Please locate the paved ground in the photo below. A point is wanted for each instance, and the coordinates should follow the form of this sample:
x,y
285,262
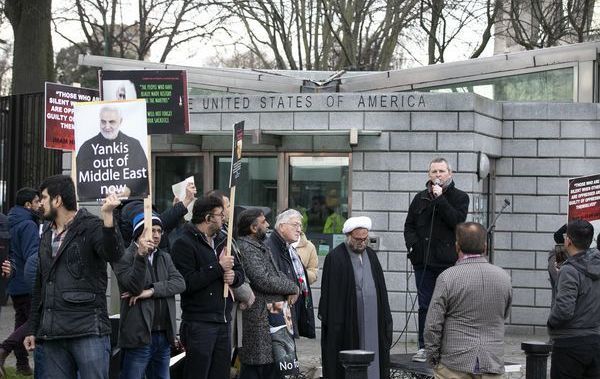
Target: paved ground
x,y
309,351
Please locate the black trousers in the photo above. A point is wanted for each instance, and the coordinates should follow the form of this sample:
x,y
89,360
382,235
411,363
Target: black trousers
x,y
268,371
581,361
208,349
14,342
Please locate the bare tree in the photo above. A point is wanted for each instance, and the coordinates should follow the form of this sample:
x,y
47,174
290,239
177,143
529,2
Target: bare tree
x,y
323,34
537,24
160,24
443,22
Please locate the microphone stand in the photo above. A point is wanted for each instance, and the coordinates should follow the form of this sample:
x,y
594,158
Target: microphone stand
x,y
490,232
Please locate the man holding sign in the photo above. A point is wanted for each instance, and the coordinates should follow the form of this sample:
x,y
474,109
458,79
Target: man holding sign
x,y
200,256
111,161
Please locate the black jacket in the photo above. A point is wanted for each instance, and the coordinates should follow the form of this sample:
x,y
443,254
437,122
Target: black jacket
x,y
134,276
303,314
447,211
69,296
199,265
338,312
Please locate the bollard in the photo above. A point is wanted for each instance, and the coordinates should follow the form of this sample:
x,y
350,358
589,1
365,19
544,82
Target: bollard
x,y
356,363
536,359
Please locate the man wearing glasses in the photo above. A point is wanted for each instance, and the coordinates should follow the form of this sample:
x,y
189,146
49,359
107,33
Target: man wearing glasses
x,y
288,227
354,308
574,321
199,256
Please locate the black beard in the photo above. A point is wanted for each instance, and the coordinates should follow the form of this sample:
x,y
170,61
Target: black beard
x,y
260,235
51,216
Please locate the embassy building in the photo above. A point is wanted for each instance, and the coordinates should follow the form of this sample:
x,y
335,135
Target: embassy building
x,y
339,144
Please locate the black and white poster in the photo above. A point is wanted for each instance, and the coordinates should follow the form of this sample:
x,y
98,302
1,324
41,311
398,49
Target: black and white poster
x,y
111,149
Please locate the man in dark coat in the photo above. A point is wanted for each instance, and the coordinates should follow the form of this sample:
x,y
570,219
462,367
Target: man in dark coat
x,y
24,243
199,255
288,226
68,307
354,308
117,158
148,282
269,285
429,233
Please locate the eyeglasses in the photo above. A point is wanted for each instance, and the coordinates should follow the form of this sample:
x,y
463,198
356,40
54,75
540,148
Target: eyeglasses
x,y
222,214
295,225
360,239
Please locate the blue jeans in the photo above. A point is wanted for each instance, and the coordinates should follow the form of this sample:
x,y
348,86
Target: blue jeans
x,y
38,361
151,360
88,355
425,280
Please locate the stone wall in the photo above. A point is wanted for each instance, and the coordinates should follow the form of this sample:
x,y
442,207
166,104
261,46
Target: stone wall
x,y
536,148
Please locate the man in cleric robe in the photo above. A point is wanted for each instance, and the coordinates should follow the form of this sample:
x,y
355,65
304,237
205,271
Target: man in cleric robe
x,y
111,161
354,308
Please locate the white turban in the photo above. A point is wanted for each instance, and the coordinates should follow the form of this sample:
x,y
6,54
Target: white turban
x,y
355,223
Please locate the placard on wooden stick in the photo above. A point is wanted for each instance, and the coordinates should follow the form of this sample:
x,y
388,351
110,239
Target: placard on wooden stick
x,y
234,175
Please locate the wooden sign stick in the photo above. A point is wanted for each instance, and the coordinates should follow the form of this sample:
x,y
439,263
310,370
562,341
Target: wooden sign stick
x,y
229,232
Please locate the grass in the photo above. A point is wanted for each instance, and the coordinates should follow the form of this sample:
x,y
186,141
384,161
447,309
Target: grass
x,y
11,373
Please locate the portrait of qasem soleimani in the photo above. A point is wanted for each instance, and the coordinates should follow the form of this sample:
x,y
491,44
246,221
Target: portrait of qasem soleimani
x,y
111,161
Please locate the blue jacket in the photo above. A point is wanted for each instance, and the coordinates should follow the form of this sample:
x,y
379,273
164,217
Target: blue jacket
x,y
24,244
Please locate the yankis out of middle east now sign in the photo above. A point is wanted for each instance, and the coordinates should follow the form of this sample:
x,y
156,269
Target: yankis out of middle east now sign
x,y
165,92
584,200
111,149
59,100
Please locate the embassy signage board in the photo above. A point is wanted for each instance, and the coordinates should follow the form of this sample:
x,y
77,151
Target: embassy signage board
x,y
165,92
59,99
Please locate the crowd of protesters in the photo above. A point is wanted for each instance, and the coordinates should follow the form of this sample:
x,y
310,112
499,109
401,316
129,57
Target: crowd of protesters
x,y
243,306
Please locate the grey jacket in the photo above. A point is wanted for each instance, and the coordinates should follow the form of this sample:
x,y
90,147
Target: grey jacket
x,y
465,321
268,284
133,275
576,309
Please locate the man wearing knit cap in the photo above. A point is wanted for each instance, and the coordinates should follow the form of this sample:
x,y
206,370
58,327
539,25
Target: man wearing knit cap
x,y
354,308
148,283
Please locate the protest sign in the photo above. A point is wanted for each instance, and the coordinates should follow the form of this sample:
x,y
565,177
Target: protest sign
x,y
234,175
584,200
111,147
59,99
165,92
236,154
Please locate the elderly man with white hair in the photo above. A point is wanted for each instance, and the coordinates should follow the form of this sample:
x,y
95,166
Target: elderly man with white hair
x,y
281,243
354,308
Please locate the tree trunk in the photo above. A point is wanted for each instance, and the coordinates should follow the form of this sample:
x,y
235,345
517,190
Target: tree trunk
x,y
32,55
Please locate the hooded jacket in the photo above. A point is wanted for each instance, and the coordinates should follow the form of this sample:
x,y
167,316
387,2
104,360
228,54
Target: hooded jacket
x,y
576,309
24,244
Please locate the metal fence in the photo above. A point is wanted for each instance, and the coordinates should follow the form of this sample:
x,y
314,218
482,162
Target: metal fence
x,y
23,160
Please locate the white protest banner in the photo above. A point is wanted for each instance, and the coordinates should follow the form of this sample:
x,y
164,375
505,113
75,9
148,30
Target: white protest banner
x,y
111,149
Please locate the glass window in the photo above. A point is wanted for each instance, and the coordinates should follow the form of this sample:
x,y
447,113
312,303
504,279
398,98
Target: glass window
x,y
318,188
174,169
257,185
551,85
